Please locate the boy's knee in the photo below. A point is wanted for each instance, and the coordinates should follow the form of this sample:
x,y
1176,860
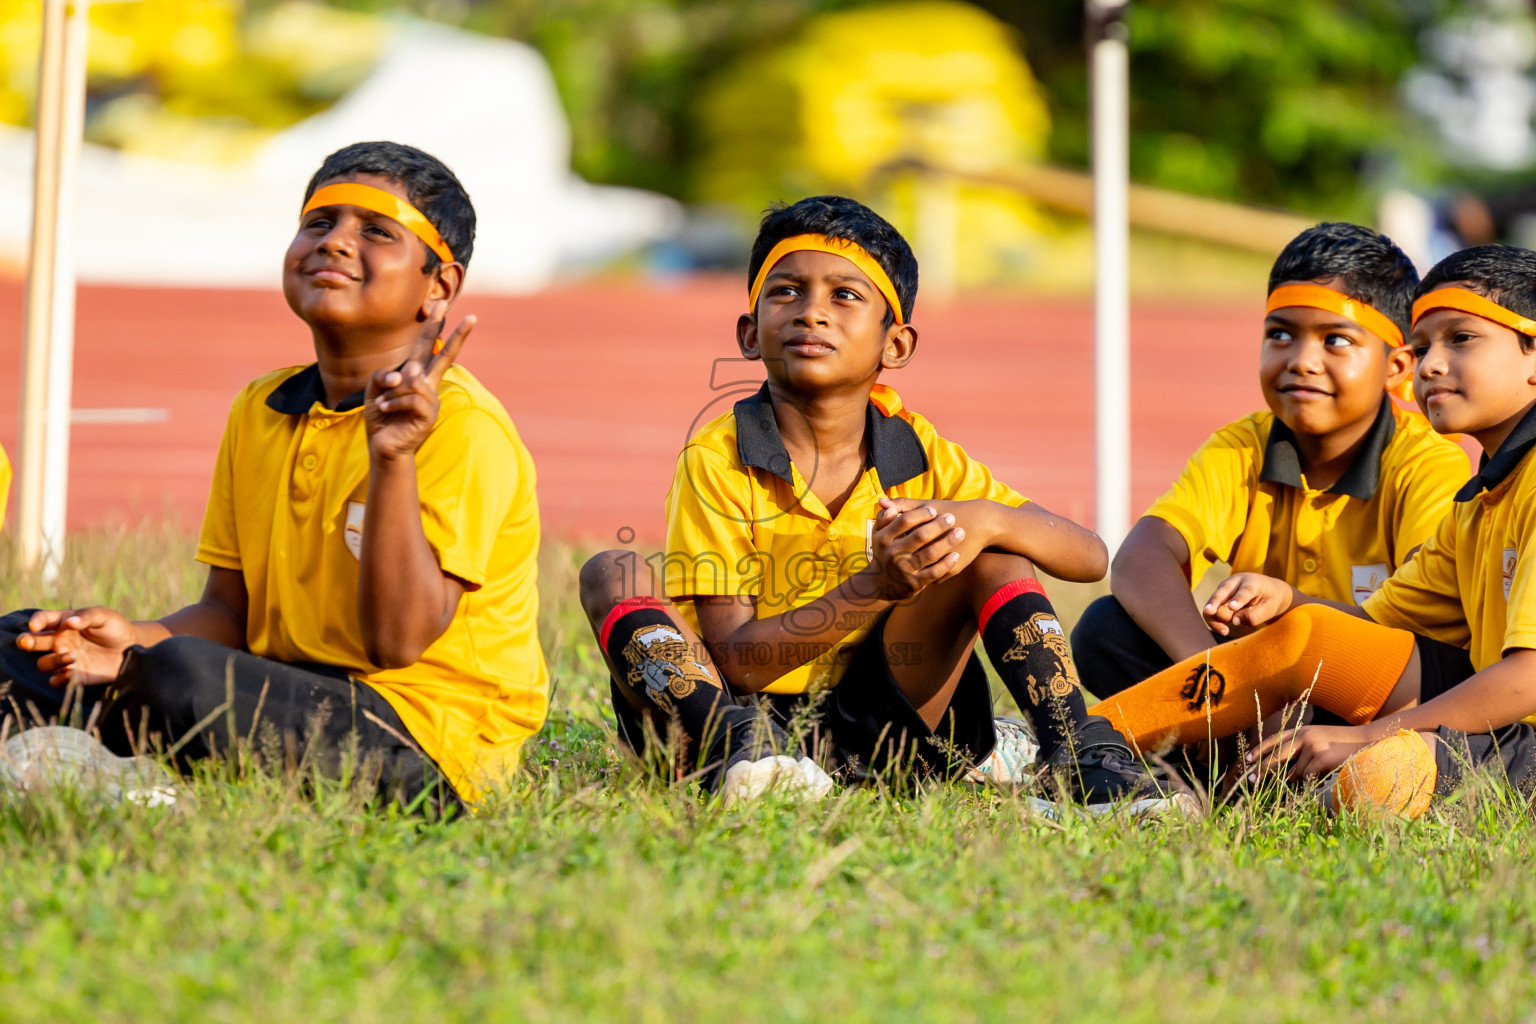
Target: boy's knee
x,y
601,581
1301,624
608,578
1000,567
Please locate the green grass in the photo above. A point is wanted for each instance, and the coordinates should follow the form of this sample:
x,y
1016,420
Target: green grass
x,y
592,892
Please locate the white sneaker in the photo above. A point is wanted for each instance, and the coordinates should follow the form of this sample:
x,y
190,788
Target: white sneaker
x,y
58,756
1174,805
1011,757
747,780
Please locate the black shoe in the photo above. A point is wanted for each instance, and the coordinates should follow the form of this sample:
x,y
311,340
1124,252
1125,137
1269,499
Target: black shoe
x,y
1101,775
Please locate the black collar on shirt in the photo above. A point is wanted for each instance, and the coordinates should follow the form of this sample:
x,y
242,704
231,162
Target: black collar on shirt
x,y
299,393
894,448
1492,471
1282,460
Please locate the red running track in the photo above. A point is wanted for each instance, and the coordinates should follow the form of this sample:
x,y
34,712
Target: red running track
x,y
605,379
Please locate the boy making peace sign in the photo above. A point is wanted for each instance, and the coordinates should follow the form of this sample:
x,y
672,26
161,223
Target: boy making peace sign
x,y
371,534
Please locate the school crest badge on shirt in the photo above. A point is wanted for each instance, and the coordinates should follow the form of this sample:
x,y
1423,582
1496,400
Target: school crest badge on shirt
x,y
1365,579
353,534
1509,570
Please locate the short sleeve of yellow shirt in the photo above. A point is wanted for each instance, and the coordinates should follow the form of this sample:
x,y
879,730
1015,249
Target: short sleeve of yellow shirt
x,y
743,521
1474,583
710,524
1243,500
5,484
287,510
1424,595
1208,504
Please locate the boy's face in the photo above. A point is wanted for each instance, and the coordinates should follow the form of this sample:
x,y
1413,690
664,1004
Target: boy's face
x,y
353,269
1472,375
820,325
1321,372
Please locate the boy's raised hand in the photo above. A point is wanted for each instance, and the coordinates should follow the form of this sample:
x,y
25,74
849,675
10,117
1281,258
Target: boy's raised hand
x,y
84,646
1247,600
913,548
400,406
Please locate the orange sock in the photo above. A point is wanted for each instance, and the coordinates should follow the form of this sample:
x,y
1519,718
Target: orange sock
x,y
1349,664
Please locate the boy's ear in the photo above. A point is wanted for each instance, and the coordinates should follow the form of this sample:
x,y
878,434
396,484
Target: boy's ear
x,y
1400,365
900,347
447,282
746,337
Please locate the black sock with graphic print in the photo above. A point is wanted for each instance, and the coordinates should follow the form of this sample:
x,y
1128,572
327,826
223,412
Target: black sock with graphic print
x,y
1028,646
643,642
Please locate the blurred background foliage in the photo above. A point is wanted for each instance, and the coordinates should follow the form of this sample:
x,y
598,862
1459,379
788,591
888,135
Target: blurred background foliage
x,y
730,104
1277,102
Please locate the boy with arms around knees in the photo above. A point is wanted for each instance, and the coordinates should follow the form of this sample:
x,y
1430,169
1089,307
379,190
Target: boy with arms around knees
x,y
1331,490
372,528
1415,722
839,558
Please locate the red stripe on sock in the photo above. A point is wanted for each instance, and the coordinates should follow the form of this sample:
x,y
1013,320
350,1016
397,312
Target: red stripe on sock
x,y
1009,591
623,608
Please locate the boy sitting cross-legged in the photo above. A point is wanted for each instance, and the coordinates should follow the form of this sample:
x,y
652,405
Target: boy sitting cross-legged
x,y
1414,722
371,533
840,559
1331,490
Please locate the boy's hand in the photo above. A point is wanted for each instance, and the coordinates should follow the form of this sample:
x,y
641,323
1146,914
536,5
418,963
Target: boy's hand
x,y
84,646
400,406
1247,600
1310,749
972,518
913,548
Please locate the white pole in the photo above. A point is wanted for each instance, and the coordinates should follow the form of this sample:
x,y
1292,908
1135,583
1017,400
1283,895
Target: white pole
x,y
50,318
1109,59
61,344
40,268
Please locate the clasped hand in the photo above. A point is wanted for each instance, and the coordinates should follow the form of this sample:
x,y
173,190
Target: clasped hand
x,y
917,543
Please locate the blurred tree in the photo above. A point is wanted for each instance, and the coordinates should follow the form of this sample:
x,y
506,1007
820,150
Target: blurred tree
x,y
1278,102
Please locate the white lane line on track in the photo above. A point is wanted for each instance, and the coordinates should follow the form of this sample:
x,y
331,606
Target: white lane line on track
x,y
118,416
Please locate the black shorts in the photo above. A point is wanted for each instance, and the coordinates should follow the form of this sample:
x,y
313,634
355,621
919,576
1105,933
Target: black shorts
x,y
1441,667
865,725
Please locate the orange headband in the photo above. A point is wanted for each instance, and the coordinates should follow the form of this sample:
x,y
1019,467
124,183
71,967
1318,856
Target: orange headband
x,y
853,252
1471,302
1316,296
392,206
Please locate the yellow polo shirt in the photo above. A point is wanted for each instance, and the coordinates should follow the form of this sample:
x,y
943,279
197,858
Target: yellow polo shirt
x,y
5,484
742,520
1473,584
1243,500
286,510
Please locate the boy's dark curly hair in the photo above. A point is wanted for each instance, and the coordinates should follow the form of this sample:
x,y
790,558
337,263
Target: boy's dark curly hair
x,y
1373,269
1505,274
842,218
432,187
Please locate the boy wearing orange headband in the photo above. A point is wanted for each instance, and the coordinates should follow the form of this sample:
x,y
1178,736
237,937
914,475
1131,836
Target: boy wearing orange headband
x,y
371,533
840,559
1331,490
1414,727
